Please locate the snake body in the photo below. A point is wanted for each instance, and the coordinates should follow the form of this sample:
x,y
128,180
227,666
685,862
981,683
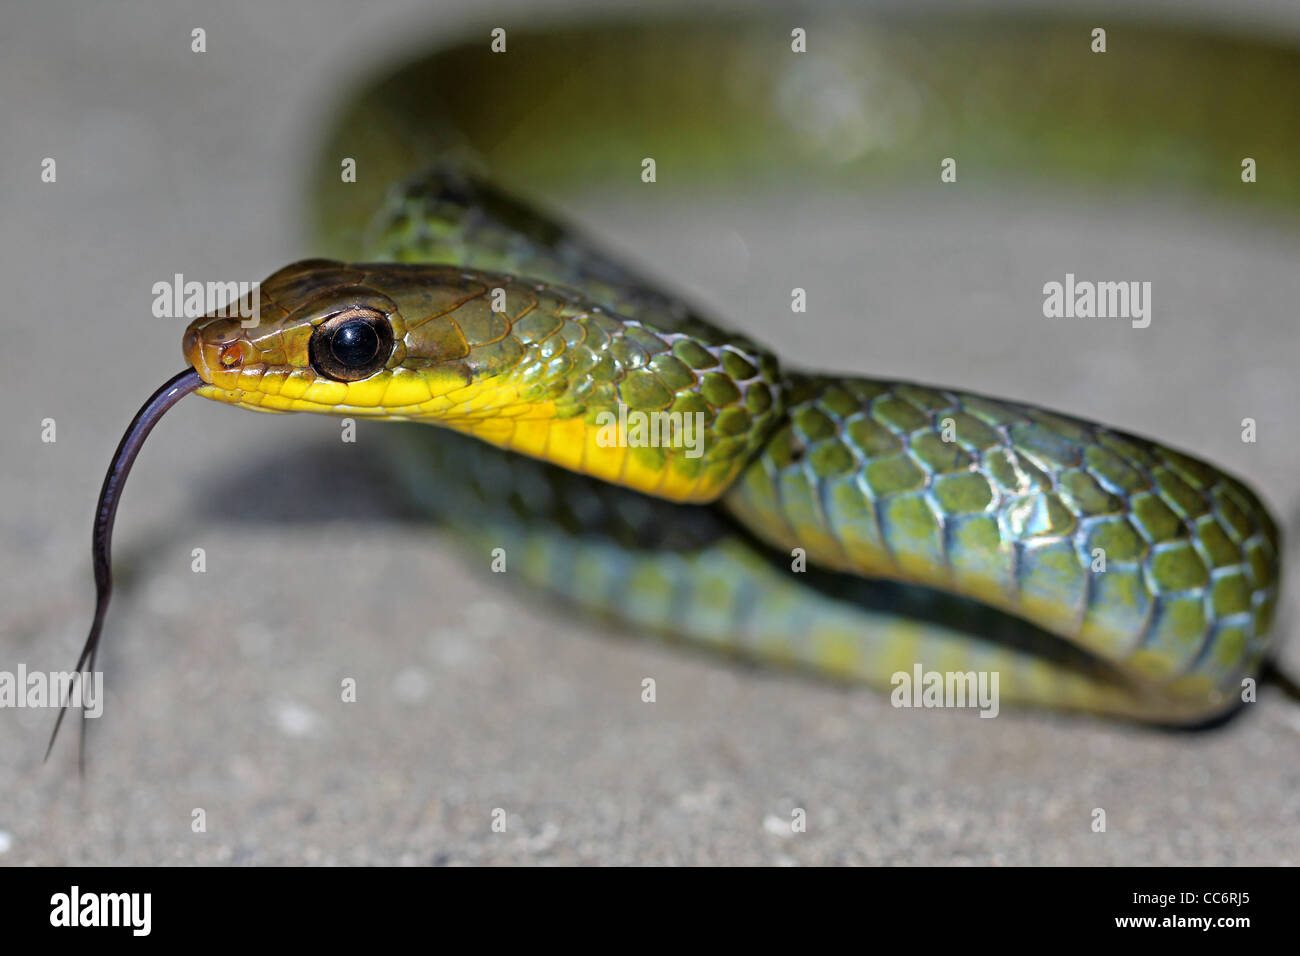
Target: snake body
x,y
940,528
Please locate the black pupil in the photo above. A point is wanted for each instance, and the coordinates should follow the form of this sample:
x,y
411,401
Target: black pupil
x,y
355,343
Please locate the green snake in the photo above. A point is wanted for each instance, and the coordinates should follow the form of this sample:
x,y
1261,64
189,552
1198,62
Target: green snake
x,y
856,527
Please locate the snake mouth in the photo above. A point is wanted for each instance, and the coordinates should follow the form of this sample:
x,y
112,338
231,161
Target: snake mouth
x,y
217,348
213,345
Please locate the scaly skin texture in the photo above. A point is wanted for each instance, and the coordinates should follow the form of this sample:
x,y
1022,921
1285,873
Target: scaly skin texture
x,y
986,500
1145,557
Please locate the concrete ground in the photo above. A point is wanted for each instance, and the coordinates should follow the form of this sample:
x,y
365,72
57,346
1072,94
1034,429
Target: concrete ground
x,y
223,687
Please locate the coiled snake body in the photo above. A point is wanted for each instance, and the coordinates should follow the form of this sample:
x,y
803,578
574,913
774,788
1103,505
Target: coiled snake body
x,y
940,528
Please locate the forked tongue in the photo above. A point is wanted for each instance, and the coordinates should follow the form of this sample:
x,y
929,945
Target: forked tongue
x,y
172,391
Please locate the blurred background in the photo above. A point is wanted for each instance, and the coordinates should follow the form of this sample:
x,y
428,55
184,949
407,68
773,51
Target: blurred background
x,y
222,688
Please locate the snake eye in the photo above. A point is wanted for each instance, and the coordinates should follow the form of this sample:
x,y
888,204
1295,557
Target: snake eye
x,y
352,345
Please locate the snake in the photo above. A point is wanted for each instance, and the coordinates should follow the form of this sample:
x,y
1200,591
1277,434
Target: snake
x,y
851,526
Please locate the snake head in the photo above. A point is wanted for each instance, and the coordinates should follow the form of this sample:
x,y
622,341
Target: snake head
x,y
379,340
382,340
519,363
311,337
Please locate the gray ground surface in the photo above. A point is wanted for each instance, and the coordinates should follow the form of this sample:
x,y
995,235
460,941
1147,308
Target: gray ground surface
x,y
223,687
